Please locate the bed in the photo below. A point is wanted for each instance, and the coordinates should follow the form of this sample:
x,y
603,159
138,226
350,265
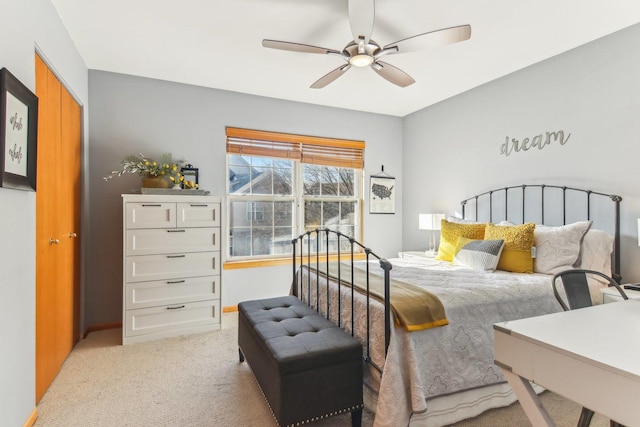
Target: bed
x,y
445,373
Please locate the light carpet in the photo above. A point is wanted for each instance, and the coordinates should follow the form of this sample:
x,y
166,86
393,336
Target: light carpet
x,y
196,380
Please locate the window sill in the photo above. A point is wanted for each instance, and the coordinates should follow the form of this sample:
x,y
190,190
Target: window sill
x,y
253,263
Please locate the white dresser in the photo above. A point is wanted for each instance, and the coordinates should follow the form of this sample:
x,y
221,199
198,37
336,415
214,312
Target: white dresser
x,y
171,266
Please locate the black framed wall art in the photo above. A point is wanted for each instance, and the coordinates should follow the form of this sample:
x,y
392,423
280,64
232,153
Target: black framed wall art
x,y
382,194
18,133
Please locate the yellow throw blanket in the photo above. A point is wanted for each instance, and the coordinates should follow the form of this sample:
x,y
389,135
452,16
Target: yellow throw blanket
x,y
415,308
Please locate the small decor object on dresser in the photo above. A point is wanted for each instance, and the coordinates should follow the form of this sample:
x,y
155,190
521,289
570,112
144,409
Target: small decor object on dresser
x,y
155,174
190,176
154,182
18,133
171,275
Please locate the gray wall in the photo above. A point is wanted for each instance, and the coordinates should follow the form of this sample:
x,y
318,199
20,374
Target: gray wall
x,y
26,25
452,149
130,115
439,155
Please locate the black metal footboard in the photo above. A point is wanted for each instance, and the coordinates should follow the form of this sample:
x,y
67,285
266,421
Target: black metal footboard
x,y
321,246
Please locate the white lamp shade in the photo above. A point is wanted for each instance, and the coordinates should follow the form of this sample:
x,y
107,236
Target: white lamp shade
x,y
430,221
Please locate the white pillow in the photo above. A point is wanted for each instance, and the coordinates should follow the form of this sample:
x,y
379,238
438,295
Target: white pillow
x,y
595,254
457,220
596,251
558,248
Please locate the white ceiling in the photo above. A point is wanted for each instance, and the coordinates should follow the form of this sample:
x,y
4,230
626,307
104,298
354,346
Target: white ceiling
x,y
217,43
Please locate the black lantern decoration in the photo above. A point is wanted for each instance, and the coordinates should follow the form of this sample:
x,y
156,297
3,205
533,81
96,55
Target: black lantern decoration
x,y
190,176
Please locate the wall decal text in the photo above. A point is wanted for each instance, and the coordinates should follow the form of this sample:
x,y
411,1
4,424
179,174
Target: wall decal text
x,y
538,141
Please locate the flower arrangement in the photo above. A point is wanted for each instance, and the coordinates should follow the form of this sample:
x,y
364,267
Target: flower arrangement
x,y
175,175
146,167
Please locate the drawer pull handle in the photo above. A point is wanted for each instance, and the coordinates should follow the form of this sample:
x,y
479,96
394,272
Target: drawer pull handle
x,y
176,308
199,206
176,231
176,256
151,206
172,282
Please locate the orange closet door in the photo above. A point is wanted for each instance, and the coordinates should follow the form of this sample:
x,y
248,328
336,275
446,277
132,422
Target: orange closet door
x,y
68,193
57,226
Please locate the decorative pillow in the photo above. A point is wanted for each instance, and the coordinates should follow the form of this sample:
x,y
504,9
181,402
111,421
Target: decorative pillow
x,y
596,249
518,241
558,248
457,220
449,234
478,254
595,252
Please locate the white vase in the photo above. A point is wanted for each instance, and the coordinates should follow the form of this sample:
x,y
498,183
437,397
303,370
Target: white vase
x,y
176,186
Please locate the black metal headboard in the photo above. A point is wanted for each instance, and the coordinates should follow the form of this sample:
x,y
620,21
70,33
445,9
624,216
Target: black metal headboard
x,y
523,199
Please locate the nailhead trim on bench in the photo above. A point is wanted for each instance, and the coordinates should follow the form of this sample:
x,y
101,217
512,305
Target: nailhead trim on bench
x,y
299,423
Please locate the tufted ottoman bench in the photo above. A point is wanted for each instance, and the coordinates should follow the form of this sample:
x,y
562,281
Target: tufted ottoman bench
x,y
307,367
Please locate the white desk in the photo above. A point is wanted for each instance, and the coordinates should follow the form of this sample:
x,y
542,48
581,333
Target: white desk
x,y
590,355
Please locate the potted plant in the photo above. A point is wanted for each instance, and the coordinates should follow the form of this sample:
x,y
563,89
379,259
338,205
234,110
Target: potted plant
x,y
154,174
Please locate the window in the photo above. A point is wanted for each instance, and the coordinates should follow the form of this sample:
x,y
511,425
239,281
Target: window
x,y
281,185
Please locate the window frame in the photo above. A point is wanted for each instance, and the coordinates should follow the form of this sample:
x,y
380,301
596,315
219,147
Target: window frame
x,y
298,199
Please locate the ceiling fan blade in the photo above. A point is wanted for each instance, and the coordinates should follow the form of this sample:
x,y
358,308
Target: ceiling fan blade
x,y
361,18
431,39
330,77
297,47
393,74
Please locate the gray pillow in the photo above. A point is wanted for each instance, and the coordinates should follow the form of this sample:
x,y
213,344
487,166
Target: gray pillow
x,y
480,255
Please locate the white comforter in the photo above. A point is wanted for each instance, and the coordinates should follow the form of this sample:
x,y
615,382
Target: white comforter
x,y
452,358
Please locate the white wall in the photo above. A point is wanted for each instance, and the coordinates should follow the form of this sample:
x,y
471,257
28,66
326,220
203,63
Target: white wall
x,y
452,149
130,115
26,24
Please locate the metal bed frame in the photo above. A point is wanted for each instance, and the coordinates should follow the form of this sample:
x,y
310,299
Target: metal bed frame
x,y
310,258
298,288
543,193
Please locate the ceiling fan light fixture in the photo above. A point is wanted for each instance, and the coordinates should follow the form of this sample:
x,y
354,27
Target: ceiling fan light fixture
x,y
362,51
361,60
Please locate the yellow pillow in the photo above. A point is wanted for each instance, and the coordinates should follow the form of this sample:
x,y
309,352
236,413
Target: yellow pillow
x,y
449,234
518,241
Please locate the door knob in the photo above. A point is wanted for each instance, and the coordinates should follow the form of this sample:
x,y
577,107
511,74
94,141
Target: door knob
x,y
52,241
71,235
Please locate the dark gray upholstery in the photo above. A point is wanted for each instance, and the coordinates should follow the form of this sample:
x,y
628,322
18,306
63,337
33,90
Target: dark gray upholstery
x,y
306,366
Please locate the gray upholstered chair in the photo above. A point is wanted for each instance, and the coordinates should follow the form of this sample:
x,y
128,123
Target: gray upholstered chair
x,y
576,289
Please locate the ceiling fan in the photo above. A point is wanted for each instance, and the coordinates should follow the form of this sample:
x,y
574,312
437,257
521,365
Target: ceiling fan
x,y
363,51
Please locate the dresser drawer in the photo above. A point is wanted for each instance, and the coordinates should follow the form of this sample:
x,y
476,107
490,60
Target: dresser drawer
x,y
171,266
150,215
173,317
198,214
163,292
170,240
